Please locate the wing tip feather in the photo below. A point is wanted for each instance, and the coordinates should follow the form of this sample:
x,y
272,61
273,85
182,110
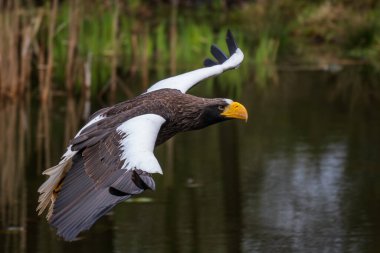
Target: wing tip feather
x,y
231,43
209,63
218,54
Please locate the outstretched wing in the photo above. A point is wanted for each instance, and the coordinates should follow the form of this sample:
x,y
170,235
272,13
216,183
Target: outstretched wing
x,y
187,80
106,173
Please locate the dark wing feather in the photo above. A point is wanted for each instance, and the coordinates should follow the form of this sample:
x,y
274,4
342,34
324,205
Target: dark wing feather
x,y
231,43
88,140
81,202
101,160
98,112
208,62
94,133
218,53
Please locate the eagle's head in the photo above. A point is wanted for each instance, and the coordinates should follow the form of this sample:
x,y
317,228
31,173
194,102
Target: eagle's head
x,y
218,110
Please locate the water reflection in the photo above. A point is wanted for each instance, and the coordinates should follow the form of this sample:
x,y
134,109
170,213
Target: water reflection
x,y
43,141
230,166
301,176
13,130
298,204
305,174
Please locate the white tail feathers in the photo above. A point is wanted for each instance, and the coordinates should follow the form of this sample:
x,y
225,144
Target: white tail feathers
x,y
48,190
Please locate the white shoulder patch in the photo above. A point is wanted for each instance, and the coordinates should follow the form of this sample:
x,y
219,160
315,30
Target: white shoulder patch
x,y
138,145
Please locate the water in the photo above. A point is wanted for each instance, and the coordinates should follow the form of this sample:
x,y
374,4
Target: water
x,y
301,176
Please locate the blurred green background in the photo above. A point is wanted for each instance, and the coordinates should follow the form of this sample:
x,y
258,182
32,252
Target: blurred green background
x,y
51,42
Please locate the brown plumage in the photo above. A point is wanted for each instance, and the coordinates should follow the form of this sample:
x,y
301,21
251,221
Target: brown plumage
x,y
111,158
183,112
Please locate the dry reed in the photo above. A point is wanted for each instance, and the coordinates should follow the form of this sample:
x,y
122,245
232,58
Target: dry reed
x,y
47,79
52,41
74,27
17,39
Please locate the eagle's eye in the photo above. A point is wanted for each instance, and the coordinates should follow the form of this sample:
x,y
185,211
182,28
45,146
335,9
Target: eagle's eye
x,y
221,108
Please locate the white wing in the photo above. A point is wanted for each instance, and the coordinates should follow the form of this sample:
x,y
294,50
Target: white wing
x,y
187,80
138,145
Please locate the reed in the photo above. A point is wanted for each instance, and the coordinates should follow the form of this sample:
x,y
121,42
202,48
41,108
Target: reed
x,y
45,89
17,39
8,54
45,47
75,11
52,43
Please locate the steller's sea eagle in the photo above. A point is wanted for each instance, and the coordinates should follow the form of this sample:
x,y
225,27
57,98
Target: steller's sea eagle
x,y
111,158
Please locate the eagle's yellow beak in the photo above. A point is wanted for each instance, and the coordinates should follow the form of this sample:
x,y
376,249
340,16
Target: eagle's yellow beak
x,y
235,111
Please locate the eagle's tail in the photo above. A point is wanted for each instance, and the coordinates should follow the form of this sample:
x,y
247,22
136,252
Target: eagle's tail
x,y
49,189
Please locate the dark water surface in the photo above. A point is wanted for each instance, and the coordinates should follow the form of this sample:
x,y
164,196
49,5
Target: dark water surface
x,y
303,175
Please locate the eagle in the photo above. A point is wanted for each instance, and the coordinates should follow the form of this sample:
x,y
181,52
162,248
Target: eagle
x,y
111,158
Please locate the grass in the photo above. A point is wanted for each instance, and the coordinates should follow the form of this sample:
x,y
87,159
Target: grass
x,y
265,60
46,47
